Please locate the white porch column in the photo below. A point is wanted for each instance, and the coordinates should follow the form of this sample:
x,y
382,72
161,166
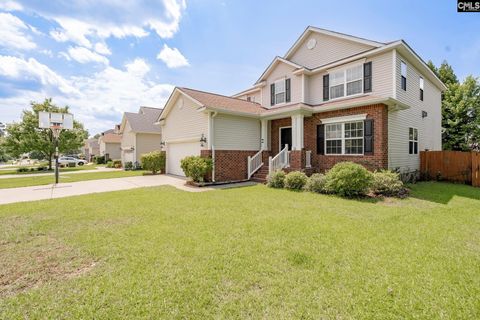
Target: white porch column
x,y
297,132
264,135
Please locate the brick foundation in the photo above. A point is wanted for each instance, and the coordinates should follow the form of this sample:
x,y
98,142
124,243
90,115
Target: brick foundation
x,y
230,165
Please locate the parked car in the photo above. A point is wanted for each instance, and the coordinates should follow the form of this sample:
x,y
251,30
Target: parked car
x,y
67,160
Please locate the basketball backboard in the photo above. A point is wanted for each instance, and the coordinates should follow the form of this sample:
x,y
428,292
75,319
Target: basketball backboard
x,y
47,120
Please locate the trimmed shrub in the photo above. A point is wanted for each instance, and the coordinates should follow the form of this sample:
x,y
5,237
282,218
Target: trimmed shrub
x,y
387,183
128,165
276,179
348,179
316,183
109,164
99,159
117,163
295,180
22,169
153,161
196,167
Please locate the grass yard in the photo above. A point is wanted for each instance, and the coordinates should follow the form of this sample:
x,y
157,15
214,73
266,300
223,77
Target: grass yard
x,y
246,253
43,180
65,169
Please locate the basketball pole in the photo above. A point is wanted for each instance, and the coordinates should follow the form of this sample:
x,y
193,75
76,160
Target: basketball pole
x,y
56,160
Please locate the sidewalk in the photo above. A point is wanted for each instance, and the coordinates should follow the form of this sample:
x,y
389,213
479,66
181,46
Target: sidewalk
x,y
100,169
61,190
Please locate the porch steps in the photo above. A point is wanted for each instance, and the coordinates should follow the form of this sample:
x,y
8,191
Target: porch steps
x,y
261,175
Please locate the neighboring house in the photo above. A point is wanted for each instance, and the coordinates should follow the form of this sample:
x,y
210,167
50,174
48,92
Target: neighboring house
x,y
109,144
140,134
91,149
332,97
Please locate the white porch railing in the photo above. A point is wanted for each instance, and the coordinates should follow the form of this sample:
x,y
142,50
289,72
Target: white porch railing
x,y
254,163
280,161
308,158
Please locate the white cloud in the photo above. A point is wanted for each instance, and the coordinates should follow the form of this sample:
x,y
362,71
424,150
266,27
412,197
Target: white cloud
x,y
94,21
138,67
84,55
12,33
172,57
10,6
31,69
102,48
98,100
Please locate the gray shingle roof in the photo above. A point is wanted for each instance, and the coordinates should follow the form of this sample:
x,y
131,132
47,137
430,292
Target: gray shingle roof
x,y
143,121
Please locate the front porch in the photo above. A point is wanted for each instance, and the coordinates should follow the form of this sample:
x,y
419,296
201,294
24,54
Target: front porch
x,y
299,141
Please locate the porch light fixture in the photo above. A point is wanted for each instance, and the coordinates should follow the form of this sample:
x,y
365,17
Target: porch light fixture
x,y
162,144
132,148
424,114
203,140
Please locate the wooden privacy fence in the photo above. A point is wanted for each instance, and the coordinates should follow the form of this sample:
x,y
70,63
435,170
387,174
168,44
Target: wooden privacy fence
x,y
455,166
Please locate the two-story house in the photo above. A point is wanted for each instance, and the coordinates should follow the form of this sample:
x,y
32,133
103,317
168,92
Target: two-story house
x,y
332,97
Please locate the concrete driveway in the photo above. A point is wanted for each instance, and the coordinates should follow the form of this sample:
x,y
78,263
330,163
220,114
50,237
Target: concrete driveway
x,y
93,186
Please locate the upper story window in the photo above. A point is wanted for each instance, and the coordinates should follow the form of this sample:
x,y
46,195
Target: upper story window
x,y
346,82
403,69
280,91
421,88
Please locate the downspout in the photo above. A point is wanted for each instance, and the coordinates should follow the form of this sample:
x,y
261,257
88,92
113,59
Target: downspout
x,y
213,115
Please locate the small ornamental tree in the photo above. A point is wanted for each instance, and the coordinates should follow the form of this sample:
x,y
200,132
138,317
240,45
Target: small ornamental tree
x,y
196,167
153,161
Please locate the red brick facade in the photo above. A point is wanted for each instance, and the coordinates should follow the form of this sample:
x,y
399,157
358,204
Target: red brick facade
x,y
230,165
379,158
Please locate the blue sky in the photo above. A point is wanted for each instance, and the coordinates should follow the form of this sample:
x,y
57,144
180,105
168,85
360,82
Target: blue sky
x,y
105,57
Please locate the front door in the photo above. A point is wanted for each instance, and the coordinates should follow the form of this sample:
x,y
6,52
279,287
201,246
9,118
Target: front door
x,y
286,138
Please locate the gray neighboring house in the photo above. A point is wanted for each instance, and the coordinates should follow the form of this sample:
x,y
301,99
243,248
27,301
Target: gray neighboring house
x,y
140,133
109,143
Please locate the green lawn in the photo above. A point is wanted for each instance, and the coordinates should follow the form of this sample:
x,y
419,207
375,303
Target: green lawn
x,y
65,169
43,180
246,253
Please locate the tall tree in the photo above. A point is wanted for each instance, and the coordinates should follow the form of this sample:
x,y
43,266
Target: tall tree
x,y
25,136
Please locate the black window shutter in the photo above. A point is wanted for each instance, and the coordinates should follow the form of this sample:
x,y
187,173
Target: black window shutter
x,y
325,87
321,139
368,136
367,77
272,94
287,90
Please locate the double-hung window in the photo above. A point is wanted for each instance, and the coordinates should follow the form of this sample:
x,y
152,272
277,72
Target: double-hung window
x,y
421,88
346,82
344,138
412,141
403,70
280,91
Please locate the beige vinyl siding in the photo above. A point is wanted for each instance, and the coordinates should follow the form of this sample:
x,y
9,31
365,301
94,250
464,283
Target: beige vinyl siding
x,y
184,121
429,128
381,79
236,133
147,142
328,49
113,150
254,96
283,71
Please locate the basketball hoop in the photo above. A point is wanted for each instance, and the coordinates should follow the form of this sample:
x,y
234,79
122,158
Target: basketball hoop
x,y
56,129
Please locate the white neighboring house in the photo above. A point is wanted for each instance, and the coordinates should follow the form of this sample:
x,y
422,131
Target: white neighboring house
x,y
140,134
332,97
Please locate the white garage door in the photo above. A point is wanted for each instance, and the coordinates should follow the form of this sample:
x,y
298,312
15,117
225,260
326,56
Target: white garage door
x,y
178,151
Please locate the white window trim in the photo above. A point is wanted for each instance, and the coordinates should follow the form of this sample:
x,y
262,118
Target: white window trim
x,y
406,68
284,91
344,70
343,139
352,118
417,141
